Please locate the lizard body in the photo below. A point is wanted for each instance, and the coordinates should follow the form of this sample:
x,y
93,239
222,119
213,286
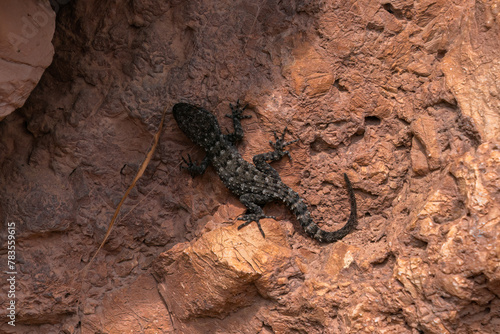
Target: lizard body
x,y
255,184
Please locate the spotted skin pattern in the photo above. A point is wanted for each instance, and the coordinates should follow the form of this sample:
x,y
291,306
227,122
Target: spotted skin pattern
x,y
256,184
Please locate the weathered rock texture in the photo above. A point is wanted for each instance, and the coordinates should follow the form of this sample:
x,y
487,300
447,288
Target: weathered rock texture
x,y
26,30
400,95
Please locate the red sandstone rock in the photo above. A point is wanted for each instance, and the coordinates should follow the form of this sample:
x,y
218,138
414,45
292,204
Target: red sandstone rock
x,y
400,95
26,31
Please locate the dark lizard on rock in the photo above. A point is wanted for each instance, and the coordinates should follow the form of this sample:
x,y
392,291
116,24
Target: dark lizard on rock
x,y
256,184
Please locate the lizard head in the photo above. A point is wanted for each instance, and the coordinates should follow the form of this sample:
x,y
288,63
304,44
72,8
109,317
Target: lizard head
x,y
197,124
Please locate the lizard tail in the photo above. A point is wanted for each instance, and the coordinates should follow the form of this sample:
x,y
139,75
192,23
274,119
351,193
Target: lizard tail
x,y
299,209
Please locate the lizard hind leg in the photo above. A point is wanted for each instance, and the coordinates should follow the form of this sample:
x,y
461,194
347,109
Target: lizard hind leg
x,y
249,218
261,160
254,212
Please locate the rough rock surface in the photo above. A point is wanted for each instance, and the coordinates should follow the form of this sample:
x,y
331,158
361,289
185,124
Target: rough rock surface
x,y
400,95
26,30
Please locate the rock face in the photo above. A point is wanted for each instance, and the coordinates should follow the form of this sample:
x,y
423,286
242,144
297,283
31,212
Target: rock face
x,y
400,95
26,31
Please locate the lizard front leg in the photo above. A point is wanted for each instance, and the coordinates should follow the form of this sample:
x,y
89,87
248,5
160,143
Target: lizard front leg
x,y
193,168
261,160
237,115
254,212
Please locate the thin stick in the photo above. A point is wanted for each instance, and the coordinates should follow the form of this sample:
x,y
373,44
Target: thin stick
x,y
141,170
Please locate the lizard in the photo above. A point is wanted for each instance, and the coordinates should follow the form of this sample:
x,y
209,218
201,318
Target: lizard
x,y
255,184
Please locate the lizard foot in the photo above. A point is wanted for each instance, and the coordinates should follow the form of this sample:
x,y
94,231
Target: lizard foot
x,y
193,168
252,217
280,143
237,111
